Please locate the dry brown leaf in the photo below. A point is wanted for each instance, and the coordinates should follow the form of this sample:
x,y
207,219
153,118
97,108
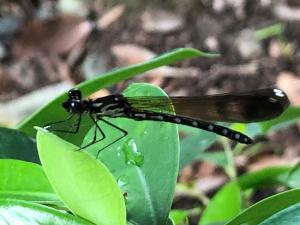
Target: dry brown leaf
x,y
290,84
111,16
161,21
267,161
287,13
210,183
205,169
128,54
53,36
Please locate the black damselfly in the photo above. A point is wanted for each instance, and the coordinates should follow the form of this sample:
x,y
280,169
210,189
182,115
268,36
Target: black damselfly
x,y
242,107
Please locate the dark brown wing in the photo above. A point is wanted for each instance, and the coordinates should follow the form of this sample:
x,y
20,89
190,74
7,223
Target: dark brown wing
x,y
246,107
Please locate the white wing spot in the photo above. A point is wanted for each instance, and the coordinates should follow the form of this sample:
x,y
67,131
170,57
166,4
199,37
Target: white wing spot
x,y
210,127
278,92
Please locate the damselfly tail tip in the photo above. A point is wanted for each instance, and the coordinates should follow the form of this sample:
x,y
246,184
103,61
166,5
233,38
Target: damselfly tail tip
x,y
243,139
248,141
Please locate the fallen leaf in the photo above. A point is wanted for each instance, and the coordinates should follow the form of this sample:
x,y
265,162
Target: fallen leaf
x,y
53,36
161,21
290,84
210,183
267,161
128,54
111,16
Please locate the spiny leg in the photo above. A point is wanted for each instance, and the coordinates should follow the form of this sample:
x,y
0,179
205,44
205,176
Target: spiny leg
x,y
97,127
125,133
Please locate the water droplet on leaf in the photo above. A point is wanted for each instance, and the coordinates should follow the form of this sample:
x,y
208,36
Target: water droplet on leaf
x,y
122,181
132,155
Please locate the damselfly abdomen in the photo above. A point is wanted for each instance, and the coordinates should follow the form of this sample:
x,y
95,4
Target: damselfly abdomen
x,y
243,107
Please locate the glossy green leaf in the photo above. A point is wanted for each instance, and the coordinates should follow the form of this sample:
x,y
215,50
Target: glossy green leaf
x,y
288,216
16,145
225,205
170,222
16,212
293,176
290,116
266,208
53,111
194,144
149,185
271,176
24,180
266,177
84,184
217,158
179,217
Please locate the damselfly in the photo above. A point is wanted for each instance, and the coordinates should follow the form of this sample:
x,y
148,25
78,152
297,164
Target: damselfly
x,y
242,107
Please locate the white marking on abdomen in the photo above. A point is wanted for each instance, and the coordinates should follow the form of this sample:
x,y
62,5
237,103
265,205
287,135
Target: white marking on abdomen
x,y
225,131
143,115
159,117
177,120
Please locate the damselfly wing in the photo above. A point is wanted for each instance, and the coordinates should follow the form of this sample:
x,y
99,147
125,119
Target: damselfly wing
x,y
245,107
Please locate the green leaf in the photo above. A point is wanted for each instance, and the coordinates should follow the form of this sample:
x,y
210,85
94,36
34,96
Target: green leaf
x,y
24,180
84,184
27,213
16,145
217,158
269,31
194,144
179,217
266,208
170,222
225,205
290,116
55,110
266,177
149,185
288,216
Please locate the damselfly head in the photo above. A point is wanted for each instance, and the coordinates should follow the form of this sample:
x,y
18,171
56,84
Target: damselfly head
x,y
74,104
74,94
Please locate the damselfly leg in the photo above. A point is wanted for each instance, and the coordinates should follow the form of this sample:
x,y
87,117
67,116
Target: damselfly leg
x,y
51,126
96,128
125,133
